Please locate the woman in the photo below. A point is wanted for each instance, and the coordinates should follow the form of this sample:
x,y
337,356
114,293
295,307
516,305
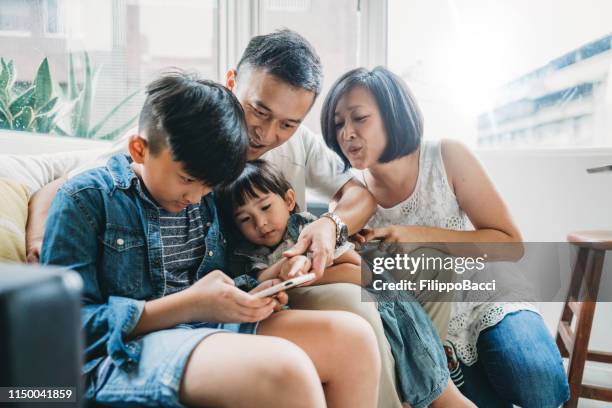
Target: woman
x,y
429,191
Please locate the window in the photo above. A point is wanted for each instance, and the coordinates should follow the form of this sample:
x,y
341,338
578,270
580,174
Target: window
x,y
15,17
127,42
332,27
507,74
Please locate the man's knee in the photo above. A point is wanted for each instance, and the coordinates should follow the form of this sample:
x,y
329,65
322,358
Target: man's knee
x,y
336,296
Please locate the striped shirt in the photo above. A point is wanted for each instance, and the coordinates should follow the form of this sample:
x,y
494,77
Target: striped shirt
x,y
183,245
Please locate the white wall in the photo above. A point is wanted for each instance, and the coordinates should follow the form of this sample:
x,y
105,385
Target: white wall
x,y
550,194
12,142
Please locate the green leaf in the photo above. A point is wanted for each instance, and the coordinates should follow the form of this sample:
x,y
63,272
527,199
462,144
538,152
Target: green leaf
x,y
86,101
45,123
23,100
5,122
5,115
60,131
73,89
93,133
43,85
23,118
4,80
75,95
48,106
120,130
4,73
11,67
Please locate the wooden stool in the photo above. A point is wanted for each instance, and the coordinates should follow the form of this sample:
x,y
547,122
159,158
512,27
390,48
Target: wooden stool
x,y
581,301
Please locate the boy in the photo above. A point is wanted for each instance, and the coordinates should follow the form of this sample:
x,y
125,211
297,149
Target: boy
x,y
144,235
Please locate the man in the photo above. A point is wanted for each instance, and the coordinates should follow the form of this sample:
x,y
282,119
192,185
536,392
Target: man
x,y
277,81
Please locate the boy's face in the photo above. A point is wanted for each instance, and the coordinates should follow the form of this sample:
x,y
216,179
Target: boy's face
x,y
165,179
263,220
273,109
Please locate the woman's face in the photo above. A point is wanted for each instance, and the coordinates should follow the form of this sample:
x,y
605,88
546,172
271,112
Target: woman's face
x,y
360,131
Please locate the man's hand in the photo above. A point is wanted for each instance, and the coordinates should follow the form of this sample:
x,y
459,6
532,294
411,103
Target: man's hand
x,y
295,266
215,298
318,238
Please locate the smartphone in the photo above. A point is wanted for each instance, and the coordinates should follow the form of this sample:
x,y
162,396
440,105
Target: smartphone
x,y
288,284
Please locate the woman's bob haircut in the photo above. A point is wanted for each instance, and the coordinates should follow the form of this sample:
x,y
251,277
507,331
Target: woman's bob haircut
x,y
398,108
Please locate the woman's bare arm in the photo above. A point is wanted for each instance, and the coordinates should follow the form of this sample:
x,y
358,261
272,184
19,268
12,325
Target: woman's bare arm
x,y
477,196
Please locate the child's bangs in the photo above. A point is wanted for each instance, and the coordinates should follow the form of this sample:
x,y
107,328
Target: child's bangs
x,y
251,185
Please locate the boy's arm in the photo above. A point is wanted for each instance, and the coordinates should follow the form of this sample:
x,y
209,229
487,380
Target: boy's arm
x,y
71,240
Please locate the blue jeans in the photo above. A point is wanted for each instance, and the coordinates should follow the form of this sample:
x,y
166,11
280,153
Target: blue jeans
x,y
518,363
155,380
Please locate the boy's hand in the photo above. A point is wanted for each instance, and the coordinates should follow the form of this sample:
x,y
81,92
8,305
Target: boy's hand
x,y
295,266
279,298
215,298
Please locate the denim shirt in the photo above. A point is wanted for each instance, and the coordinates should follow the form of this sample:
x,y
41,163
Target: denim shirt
x,y
102,226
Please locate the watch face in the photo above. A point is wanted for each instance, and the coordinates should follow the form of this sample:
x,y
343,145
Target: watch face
x,y
343,237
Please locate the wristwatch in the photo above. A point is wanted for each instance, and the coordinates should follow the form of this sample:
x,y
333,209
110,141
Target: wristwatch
x,y
341,228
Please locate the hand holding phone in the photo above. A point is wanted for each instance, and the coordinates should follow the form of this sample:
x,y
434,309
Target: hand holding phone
x,y
288,284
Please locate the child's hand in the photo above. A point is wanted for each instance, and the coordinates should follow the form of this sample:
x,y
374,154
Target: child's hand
x,y
215,298
295,266
280,298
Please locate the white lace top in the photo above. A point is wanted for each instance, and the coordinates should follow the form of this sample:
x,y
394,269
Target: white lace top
x,y
433,203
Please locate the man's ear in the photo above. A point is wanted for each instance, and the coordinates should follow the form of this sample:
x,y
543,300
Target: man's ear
x,y
230,79
290,199
137,146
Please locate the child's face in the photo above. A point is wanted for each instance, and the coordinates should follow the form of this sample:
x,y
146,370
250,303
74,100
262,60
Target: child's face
x,y
263,220
360,130
165,179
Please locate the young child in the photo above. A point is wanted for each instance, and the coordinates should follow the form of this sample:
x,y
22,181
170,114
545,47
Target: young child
x,y
143,233
261,205
267,216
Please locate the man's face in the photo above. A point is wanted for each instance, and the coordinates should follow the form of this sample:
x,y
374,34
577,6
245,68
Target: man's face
x,y
273,109
167,182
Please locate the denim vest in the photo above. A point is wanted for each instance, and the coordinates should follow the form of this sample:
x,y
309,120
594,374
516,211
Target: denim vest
x,y
104,227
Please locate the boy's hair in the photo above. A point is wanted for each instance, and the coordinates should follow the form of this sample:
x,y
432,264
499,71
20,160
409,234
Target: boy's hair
x,y
201,122
286,55
257,175
398,108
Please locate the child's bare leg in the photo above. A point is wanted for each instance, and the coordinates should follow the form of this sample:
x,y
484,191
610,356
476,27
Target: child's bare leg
x,y
452,397
240,370
342,347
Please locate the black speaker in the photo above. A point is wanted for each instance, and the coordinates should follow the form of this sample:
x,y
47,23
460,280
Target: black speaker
x,y
40,336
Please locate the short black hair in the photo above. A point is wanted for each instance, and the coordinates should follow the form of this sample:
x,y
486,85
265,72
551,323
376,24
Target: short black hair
x,y
286,55
257,175
398,108
200,121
